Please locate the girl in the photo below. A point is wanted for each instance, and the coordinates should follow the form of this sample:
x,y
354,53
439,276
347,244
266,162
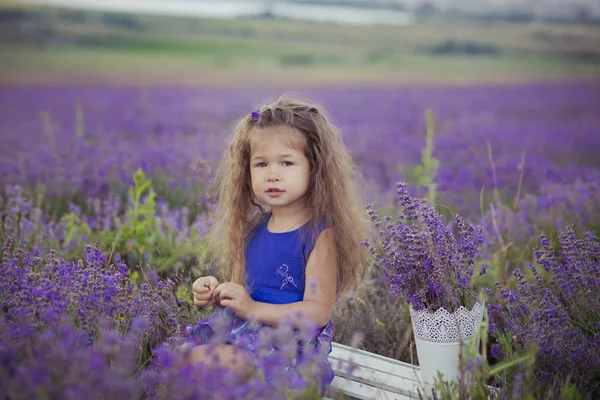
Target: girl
x,y
288,213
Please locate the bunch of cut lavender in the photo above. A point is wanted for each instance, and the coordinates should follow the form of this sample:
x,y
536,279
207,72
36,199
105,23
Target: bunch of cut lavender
x,y
426,261
558,309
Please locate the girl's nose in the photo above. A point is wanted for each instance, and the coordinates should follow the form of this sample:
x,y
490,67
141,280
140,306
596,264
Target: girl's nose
x,y
273,175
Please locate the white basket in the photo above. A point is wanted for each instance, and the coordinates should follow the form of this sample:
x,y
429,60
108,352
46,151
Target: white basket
x,y
438,335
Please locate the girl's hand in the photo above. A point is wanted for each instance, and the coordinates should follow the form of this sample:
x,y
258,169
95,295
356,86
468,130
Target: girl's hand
x,y
203,289
236,296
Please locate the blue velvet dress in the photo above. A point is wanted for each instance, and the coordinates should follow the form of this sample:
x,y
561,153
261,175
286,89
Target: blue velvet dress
x,y
275,264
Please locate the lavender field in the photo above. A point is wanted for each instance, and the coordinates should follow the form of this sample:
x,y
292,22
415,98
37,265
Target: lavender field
x,y
91,140
520,160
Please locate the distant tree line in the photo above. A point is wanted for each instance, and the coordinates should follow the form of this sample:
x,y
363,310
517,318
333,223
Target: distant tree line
x,y
464,48
579,14
42,27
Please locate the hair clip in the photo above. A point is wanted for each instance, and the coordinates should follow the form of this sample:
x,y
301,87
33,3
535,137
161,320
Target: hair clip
x,y
255,115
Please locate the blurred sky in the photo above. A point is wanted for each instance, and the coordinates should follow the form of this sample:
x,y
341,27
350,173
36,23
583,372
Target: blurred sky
x,y
249,8
336,11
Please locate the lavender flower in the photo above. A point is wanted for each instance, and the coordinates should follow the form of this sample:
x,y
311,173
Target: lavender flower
x,y
83,329
174,235
85,291
425,261
556,305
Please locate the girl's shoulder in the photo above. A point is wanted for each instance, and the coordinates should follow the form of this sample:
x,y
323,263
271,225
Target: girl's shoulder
x,y
309,235
258,222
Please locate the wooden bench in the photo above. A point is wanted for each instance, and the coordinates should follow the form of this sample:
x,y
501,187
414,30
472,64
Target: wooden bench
x,y
375,377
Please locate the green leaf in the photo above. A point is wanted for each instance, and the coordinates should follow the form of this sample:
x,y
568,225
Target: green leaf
x,y
134,277
509,363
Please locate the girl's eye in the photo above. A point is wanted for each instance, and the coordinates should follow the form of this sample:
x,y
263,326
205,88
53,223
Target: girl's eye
x,y
264,164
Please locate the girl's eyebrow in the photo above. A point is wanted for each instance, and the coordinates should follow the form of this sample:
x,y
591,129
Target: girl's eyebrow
x,y
261,157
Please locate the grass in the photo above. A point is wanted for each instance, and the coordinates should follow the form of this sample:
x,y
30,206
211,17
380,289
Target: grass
x,y
233,62
199,51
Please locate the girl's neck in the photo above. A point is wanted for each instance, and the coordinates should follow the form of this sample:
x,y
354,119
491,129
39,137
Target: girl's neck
x,y
285,222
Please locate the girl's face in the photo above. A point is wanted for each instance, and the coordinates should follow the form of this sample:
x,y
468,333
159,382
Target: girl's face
x,y
279,170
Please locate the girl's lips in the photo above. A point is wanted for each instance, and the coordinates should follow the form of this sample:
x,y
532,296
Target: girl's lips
x,y
274,193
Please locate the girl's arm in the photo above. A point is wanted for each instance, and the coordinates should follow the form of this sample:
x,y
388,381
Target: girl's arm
x,y
320,291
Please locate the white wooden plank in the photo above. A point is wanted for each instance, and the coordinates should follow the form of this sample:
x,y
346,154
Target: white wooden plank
x,y
374,362
375,373
357,390
388,382
373,370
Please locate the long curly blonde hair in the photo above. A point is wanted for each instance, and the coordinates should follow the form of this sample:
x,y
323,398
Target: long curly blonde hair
x,y
333,196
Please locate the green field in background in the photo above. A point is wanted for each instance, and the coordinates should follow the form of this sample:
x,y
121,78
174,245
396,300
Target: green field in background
x,y
163,46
